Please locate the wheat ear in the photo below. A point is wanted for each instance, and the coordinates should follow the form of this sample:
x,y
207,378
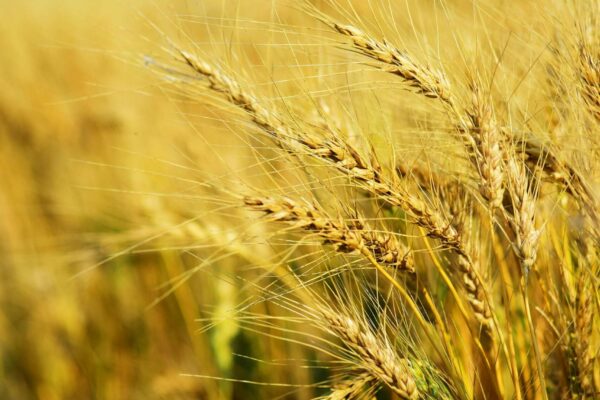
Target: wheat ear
x,y
521,216
589,74
543,159
421,78
355,236
375,355
484,140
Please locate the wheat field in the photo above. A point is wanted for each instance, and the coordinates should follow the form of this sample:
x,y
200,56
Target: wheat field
x,y
278,199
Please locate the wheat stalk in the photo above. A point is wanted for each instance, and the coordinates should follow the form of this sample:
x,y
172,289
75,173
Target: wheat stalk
x,y
584,320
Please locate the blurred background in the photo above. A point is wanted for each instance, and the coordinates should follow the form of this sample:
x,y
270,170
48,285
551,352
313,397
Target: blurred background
x,y
76,317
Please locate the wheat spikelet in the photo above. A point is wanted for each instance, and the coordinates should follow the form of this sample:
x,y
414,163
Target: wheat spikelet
x,y
332,149
455,199
520,214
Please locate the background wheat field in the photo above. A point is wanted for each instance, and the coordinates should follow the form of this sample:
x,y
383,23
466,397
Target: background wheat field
x,y
277,199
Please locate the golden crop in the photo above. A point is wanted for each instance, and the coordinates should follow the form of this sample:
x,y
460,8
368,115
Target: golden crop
x,y
328,199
